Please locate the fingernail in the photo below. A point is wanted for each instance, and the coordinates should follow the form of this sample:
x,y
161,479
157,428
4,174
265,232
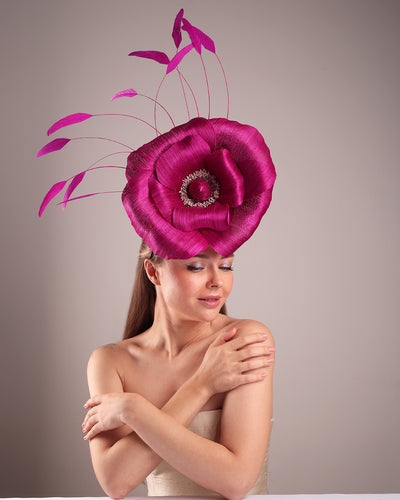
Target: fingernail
x,y
263,375
270,360
271,349
264,336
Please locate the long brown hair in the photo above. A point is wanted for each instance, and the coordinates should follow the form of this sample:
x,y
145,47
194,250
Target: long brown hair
x,y
143,300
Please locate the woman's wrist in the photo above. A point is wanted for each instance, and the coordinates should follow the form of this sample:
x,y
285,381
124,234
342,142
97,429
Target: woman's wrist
x,y
199,386
188,400
129,408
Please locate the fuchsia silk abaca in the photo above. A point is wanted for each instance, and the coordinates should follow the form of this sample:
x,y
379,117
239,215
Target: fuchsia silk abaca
x,y
204,183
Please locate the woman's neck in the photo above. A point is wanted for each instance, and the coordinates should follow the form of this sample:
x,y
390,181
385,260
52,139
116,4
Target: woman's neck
x,y
173,334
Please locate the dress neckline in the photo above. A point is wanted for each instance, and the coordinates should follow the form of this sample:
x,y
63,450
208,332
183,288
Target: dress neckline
x,y
209,411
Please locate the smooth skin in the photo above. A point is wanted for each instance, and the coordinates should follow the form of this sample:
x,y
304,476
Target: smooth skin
x,y
146,390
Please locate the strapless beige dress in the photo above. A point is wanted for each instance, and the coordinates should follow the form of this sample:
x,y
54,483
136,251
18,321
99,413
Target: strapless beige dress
x,y
167,481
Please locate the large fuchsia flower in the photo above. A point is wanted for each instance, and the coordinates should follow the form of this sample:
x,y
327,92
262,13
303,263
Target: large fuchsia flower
x,y
204,183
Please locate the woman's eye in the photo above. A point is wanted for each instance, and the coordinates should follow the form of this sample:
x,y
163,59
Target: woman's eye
x,y
194,268
226,268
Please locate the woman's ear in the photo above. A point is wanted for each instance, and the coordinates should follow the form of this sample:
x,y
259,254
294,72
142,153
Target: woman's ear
x,y
151,271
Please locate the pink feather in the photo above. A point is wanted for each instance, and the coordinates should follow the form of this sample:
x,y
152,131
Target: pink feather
x,y
68,120
192,34
54,145
198,37
124,93
156,55
71,188
176,32
54,190
206,41
178,57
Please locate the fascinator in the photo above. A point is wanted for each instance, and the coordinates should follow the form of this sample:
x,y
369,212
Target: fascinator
x,y
206,182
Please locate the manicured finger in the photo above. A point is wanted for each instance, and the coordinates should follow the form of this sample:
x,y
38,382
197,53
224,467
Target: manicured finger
x,y
256,363
87,416
250,338
86,426
84,422
251,377
96,429
89,423
253,351
225,336
93,401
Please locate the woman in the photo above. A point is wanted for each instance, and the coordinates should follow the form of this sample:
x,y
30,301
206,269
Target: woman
x,y
148,388
185,400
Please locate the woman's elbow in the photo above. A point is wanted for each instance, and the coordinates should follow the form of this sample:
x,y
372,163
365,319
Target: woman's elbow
x,y
235,493
114,486
117,495
116,491
238,487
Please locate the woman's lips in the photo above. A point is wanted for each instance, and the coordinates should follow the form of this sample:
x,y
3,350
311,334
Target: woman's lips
x,y
211,300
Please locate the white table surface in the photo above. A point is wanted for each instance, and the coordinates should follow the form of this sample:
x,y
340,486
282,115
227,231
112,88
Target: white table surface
x,y
335,496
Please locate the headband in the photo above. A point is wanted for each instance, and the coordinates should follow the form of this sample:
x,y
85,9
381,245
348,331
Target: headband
x,y
207,182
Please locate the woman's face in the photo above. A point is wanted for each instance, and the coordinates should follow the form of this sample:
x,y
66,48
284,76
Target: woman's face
x,y
195,288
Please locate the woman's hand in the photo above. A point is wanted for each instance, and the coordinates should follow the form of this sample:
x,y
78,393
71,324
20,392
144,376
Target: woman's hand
x,y
230,362
105,413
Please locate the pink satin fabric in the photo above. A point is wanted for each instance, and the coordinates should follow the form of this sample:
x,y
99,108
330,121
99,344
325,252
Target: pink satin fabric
x,y
203,183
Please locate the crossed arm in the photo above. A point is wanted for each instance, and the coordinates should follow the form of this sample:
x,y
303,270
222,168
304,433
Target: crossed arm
x,y
129,436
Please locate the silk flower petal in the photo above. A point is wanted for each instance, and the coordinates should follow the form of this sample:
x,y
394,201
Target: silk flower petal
x,y
180,160
215,217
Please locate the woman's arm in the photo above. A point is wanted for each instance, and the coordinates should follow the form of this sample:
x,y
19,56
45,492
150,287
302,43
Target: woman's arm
x,y
229,467
121,459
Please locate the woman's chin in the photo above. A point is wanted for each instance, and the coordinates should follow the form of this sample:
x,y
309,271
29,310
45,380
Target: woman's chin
x,y
208,314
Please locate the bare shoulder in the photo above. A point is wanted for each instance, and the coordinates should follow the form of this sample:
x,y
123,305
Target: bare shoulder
x,y
105,355
249,326
112,353
104,369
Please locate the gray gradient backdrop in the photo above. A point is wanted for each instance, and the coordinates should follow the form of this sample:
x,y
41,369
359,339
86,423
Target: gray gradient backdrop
x,y
320,79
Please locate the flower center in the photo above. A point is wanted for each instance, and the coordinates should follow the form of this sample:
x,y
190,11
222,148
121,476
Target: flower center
x,y
199,189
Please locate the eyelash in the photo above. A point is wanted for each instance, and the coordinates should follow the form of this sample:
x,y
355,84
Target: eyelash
x,y
196,268
227,268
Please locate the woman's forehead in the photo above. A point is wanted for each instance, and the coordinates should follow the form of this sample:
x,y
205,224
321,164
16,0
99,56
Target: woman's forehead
x,y
210,253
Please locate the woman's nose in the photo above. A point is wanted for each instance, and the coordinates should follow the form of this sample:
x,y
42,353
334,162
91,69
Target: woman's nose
x,y
215,280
